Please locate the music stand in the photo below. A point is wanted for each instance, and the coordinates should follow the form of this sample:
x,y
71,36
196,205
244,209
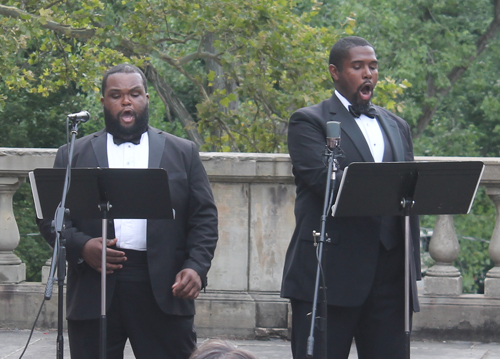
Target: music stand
x,y
404,189
103,193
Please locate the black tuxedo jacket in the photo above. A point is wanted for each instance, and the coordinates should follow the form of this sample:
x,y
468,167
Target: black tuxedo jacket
x,y
187,242
350,259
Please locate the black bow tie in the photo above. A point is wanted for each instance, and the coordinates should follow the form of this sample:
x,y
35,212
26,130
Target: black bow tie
x,y
367,111
118,141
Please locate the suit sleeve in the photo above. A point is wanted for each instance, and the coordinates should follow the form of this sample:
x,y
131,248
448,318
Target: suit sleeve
x,y
202,233
306,145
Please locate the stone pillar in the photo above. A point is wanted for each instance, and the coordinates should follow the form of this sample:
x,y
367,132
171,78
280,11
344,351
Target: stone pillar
x,y
443,278
12,270
492,281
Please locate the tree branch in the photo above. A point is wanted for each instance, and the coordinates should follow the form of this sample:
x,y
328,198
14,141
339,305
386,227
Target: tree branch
x,y
84,34
128,48
200,55
171,101
175,63
81,34
174,40
224,125
53,3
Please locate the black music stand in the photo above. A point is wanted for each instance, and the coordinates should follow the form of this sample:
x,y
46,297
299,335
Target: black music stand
x,y
404,189
101,193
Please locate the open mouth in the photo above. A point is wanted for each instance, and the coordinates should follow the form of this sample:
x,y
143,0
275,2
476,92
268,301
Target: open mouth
x,y
366,91
127,116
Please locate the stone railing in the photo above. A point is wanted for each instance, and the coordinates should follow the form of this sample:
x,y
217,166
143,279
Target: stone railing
x,y
255,196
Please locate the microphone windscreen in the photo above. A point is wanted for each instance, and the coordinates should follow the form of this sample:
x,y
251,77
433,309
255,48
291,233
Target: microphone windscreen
x,y
333,129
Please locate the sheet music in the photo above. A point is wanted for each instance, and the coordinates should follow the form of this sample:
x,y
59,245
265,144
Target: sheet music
x,y
334,207
36,199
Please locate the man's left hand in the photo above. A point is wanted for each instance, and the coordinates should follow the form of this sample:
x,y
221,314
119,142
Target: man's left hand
x,y
187,284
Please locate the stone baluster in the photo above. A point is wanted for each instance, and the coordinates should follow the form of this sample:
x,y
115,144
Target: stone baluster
x,y
492,281
12,270
443,278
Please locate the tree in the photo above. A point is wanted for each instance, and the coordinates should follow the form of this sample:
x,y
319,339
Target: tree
x,y
433,44
267,52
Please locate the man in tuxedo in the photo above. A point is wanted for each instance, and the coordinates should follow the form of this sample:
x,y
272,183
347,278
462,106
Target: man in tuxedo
x,y
363,262
155,268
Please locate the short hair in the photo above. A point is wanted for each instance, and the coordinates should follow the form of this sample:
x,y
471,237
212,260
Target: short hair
x,y
126,69
220,349
340,50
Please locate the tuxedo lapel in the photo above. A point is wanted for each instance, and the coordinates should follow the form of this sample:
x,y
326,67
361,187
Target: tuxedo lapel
x,y
392,131
156,148
99,145
350,128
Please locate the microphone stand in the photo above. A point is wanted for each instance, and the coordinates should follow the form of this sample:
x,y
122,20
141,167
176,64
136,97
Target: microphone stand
x,y
59,252
332,153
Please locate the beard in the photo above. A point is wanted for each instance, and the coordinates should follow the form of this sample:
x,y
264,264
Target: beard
x,y
362,105
139,126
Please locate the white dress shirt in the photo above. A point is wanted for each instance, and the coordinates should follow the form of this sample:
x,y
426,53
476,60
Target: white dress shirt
x,y
370,129
131,233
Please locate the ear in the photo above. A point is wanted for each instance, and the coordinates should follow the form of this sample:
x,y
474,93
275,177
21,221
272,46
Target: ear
x,y
334,72
102,100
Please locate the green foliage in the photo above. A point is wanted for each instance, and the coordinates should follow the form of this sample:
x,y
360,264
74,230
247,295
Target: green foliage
x,y
258,44
388,94
272,56
427,43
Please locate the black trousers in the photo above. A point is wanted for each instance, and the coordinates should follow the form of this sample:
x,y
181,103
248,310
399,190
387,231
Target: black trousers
x,y
377,326
134,315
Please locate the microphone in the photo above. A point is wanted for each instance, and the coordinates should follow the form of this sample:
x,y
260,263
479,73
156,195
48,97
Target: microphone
x,y
332,134
82,116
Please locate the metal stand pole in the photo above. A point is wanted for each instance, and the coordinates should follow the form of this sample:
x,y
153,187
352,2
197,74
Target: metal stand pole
x,y
407,204
104,207
59,253
330,181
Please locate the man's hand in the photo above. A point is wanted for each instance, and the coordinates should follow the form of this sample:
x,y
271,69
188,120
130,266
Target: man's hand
x,y
92,254
187,284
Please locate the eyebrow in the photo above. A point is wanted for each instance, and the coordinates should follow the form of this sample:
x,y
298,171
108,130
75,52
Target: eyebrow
x,y
371,62
120,90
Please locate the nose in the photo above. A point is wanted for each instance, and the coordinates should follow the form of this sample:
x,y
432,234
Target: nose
x,y
126,100
367,74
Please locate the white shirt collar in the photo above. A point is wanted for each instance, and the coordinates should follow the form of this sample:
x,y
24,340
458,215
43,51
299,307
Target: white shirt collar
x,y
342,99
371,131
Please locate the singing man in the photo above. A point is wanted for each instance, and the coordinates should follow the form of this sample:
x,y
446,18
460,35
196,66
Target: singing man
x,y
156,268
363,263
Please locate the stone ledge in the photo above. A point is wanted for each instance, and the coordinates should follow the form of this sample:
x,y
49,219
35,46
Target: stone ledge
x,y
20,303
471,317
241,315
221,166
249,315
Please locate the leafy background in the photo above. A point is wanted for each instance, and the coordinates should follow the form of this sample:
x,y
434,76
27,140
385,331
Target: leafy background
x,y
228,74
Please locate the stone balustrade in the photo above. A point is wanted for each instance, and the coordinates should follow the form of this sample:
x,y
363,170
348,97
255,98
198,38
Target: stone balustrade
x,y
255,196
